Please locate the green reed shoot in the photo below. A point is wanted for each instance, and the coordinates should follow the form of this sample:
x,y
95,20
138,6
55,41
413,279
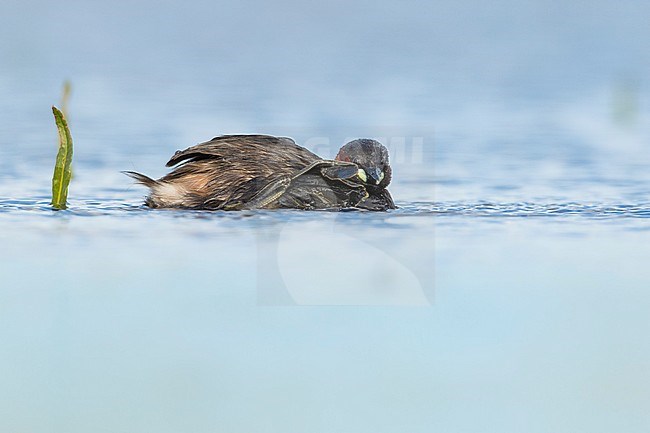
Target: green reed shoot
x,y
65,97
62,167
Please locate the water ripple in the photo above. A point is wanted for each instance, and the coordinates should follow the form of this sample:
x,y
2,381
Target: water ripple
x,y
530,210
113,207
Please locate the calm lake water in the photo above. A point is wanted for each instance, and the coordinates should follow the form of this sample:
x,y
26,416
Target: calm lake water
x,y
510,292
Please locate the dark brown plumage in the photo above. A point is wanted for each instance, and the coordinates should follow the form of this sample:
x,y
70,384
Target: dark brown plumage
x,y
236,172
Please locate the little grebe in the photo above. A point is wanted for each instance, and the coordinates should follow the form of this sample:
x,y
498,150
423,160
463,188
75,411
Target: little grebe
x,y
237,172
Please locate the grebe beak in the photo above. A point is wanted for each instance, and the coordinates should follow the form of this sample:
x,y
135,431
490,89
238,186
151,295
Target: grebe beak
x,y
376,175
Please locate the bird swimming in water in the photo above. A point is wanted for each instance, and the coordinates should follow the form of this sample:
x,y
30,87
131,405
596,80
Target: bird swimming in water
x,y
238,172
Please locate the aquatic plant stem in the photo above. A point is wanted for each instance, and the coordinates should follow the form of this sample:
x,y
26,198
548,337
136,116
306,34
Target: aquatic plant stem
x,y
62,168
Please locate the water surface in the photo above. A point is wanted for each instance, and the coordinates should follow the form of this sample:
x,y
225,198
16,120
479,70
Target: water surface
x,y
508,293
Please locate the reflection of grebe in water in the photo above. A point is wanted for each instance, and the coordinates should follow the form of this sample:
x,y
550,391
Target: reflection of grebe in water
x,y
236,172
